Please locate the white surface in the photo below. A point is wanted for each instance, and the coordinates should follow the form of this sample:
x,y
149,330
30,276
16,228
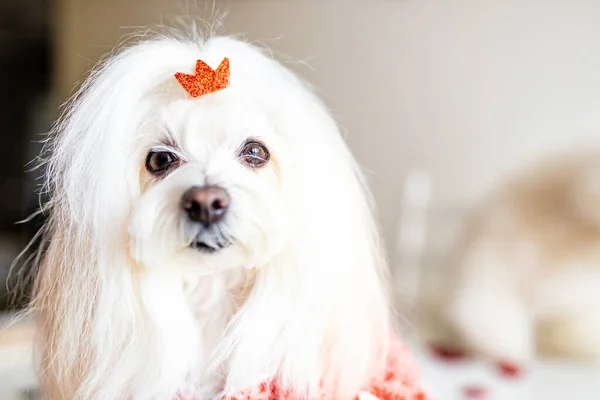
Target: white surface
x,y
444,381
545,381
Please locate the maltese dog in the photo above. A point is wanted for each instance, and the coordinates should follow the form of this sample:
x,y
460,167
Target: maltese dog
x,y
209,230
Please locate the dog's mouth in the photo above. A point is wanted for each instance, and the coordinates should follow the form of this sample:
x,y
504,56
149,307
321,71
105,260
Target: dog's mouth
x,y
202,246
210,247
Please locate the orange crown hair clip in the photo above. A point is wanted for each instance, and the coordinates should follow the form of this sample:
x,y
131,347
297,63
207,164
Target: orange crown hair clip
x,y
205,80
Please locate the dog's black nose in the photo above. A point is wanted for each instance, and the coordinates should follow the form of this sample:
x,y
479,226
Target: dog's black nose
x,y
206,205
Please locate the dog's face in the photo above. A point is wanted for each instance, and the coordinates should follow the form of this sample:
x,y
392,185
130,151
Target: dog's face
x,y
210,187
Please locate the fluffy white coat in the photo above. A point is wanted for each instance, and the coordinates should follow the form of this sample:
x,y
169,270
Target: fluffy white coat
x,y
128,311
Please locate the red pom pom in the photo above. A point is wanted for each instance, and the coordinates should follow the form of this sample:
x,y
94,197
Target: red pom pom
x,y
509,370
447,353
475,392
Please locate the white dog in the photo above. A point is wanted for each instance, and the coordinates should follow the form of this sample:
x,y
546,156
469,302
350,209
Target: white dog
x,y
525,280
207,231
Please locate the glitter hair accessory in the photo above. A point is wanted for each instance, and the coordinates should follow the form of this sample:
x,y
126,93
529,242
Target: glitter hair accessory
x,y
205,80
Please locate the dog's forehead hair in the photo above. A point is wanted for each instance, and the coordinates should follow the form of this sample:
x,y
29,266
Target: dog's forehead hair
x,y
220,122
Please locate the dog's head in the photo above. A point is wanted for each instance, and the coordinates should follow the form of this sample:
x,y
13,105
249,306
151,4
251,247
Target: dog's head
x,y
227,179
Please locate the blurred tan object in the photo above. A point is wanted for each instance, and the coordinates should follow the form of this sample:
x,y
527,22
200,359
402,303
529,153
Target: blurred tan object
x,y
524,280
17,373
16,344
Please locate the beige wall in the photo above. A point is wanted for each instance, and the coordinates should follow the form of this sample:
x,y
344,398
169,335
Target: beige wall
x,y
466,89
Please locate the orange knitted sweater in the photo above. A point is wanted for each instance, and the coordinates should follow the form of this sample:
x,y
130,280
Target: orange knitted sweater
x,y
400,381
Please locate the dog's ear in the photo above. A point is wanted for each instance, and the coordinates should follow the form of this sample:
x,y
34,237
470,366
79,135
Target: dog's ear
x,y
86,296
330,323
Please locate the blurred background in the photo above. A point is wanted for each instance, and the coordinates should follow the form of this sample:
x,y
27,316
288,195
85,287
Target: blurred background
x,y
440,100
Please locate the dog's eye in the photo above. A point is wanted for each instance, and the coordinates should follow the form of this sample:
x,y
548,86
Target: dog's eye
x,y
158,162
254,154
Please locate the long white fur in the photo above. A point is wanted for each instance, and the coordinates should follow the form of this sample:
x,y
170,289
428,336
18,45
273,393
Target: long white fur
x,y
127,310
